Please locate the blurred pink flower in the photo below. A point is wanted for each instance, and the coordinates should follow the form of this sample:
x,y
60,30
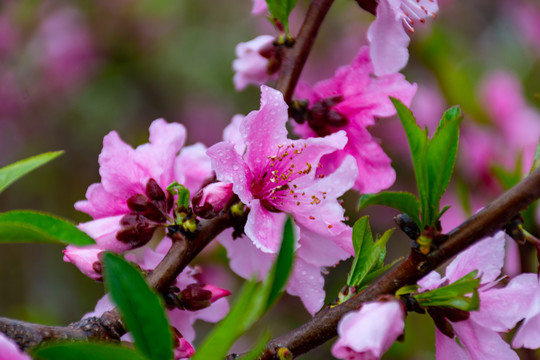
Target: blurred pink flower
x,y
367,333
519,123
500,308
252,65
10,351
526,17
351,101
388,36
66,49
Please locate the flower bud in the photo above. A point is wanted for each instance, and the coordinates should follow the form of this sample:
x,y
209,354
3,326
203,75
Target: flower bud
x,y
198,296
211,199
183,348
136,230
86,259
254,60
154,191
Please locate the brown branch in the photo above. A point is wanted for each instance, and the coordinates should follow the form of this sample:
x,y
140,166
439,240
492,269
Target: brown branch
x,y
109,326
485,223
295,57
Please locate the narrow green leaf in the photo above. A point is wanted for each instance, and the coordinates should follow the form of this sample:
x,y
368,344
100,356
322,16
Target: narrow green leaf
x,y
183,193
405,202
87,351
141,308
454,294
252,302
248,306
363,244
278,10
10,173
441,157
258,348
372,275
369,258
418,143
23,226
283,265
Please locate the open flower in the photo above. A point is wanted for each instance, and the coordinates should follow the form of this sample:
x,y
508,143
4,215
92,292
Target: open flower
x,y
367,333
132,202
351,101
500,308
275,176
388,34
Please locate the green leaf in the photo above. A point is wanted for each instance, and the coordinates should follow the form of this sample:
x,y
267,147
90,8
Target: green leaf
x,y
433,159
183,193
283,265
248,306
373,274
22,226
280,10
441,157
12,172
141,308
403,201
87,351
252,302
258,348
418,143
369,255
453,295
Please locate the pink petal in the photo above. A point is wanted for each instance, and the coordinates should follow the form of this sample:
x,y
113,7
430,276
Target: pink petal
x,y
307,283
100,203
157,157
265,228
103,231
448,349
246,259
528,335
501,309
482,343
371,330
264,130
232,134
431,281
10,351
259,6
230,167
84,258
193,167
388,39
487,256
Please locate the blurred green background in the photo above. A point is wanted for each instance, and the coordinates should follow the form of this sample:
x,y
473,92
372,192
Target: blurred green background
x,y
73,70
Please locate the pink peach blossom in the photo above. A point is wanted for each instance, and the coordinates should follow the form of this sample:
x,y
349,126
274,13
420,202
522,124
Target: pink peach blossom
x,y
250,66
388,35
354,98
367,333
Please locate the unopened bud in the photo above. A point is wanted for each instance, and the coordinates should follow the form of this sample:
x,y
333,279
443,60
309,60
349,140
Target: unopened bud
x,y
198,296
136,230
183,349
211,199
154,191
86,259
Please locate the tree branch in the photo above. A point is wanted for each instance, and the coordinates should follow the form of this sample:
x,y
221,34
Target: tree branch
x,y
109,326
295,57
485,223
